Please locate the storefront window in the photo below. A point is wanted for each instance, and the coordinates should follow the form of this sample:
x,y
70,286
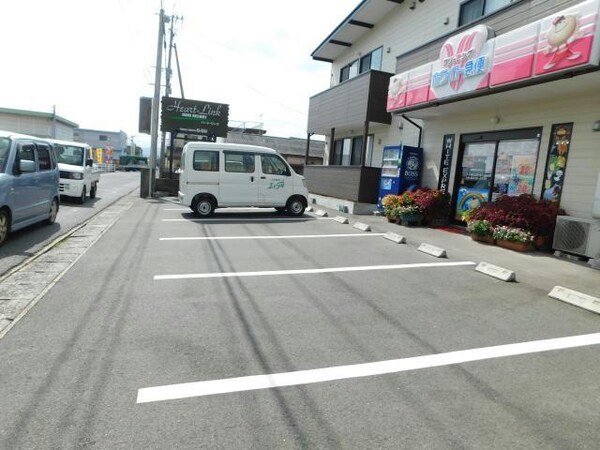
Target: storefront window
x,y
476,176
494,164
515,167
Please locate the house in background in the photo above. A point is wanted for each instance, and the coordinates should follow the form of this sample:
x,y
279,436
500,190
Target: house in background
x,y
501,95
292,149
39,124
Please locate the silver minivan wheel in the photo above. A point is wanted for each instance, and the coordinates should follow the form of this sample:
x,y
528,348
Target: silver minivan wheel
x,y
204,207
53,212
295,206
4,226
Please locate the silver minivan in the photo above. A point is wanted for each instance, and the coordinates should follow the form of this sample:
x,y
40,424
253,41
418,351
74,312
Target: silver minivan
x,y
29,179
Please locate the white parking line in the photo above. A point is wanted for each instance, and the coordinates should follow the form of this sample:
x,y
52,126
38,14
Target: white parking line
x,y
176,209
302,236
245,219
309,271
303,377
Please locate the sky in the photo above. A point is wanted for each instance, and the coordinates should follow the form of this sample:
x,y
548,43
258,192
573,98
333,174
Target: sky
x,y
93,59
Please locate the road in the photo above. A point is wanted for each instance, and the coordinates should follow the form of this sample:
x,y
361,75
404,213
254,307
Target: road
x,y
253,330
25,243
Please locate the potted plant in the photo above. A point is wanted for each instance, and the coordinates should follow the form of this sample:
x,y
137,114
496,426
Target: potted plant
x,y
411,214
390,202
481,230
434,204
513,238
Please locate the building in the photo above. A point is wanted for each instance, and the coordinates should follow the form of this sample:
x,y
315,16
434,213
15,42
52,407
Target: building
x,y
108,145
501,95
40,124
292,149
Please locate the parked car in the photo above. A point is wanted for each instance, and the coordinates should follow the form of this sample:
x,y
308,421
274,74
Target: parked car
x,y
78,173
215,175
28,182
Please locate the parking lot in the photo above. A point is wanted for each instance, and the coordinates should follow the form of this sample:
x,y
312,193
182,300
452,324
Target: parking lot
x,y
252,329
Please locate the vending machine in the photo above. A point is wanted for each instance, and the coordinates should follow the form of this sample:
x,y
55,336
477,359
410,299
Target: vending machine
x,y
400,170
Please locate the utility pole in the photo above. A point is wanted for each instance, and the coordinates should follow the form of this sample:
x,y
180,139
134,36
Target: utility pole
x,y
156,103
167,94
53,121
178,71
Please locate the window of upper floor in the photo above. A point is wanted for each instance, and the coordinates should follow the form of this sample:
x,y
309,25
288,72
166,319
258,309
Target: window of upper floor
x,y
370,61
471,10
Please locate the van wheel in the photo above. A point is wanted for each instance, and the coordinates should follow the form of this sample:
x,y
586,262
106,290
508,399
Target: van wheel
x,y
93,190
4,225
53,212
204,207
81,199
295,206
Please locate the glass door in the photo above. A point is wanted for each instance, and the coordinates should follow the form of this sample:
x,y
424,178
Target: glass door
x,y
476,175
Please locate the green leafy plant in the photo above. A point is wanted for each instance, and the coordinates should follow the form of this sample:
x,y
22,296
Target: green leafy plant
x,y
480,227
410,210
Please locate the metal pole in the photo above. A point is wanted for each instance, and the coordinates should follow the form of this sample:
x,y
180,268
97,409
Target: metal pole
x,y
163,142
156,102
178,70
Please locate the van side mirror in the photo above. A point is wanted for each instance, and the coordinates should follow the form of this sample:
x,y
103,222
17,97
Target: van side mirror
x,y
26,165
89,162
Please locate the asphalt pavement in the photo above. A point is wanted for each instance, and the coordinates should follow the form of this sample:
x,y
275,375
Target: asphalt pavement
x,y
255,330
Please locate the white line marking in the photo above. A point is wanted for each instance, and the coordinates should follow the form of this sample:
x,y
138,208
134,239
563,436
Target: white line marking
x,y
176,209
301,377
245,219
309,271
305,236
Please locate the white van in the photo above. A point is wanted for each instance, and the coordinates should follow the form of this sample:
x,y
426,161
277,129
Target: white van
x,y
215,175
78,173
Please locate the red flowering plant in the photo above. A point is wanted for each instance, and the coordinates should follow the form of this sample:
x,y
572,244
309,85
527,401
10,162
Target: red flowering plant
x,y
435,204
524,212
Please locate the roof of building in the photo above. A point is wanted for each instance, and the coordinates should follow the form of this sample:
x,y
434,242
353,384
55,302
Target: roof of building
x,y
45,115
359,22
285,146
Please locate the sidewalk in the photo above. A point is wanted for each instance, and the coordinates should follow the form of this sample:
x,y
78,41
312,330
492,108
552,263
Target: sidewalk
x,y
541,270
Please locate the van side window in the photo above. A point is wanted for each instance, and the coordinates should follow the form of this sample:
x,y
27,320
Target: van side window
x,y
240,162
273,165
44,157
206,161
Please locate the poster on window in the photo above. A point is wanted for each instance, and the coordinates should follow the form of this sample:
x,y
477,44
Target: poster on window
x,y
522,174
556,164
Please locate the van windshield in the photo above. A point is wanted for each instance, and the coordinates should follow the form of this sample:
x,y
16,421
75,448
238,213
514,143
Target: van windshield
x,y
69,154
4,146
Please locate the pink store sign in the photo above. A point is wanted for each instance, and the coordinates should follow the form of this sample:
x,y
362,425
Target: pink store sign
x,y
475,60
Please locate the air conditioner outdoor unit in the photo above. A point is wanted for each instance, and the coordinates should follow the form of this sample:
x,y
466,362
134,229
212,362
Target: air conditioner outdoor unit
x,y
577,236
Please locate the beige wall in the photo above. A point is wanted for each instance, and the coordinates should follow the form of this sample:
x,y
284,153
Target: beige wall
x,y
35,126
583,163
402,31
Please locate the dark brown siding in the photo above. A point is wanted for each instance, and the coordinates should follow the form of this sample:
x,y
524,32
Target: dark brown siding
x,y
359,184
350,103
518,15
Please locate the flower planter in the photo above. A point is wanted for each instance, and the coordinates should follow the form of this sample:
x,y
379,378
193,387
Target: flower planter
x,y
514,245
543,242
391,219
411,219
483,238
